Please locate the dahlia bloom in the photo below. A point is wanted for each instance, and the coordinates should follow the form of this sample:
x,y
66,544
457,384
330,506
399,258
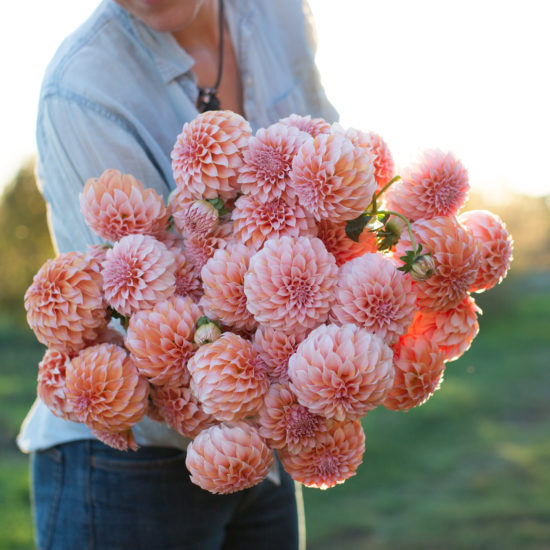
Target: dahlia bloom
x,y
228,457
51,382
332,178
195,218
255,221
178,407
104,389
436,186
115,205
456,256
340,245
208,154
223,286
289,284
419,369
496,247
160,340
373,294
65,304
188,281
335,458
199,250
284,422
122,441
137,273
452,330
228,377
341,372
312,126
265,173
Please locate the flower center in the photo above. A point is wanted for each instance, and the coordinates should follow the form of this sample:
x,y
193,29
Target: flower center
x,y
270,164
301,292
327,466
300,423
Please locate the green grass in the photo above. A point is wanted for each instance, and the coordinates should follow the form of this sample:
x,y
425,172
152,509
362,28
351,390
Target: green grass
x,y
469,469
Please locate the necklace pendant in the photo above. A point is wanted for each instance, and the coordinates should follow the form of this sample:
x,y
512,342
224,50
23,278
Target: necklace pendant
x,y
208,100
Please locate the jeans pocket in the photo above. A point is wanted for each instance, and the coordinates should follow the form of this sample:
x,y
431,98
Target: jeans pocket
x,y
47,483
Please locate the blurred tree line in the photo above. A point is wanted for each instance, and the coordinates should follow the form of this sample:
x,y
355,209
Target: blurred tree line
x,y
25,242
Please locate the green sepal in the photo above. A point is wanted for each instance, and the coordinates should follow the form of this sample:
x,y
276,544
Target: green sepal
x,y
219,205
355,227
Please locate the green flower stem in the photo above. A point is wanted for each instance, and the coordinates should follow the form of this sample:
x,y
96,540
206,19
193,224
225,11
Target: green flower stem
x,y
387,186
390,213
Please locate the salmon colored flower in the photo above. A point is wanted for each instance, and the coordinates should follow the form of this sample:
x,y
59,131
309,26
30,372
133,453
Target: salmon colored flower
x,y
456,257
228,457
436,186
208,154
223,285
115,205
313,126
452,330
188,281
419,369
332,178
341,372
137,273
265,173
255,221
51,382
496,247
160,340
65,304
373,294
228,377
334,459
195,218
122,441
199,250
104,389
290,283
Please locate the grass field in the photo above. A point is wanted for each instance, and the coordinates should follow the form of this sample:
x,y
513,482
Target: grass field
x,y
468,470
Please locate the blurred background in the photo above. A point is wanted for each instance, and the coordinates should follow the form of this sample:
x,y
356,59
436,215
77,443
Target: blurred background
x,y
470,468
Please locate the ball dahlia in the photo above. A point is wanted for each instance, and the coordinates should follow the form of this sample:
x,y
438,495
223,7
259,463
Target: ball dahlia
x,y
496,247
195,218
312,126
341,372
373,294
332,178
160,340
199,250
104,388
65,304
228,457
335,458
228,377
51,382
137,273
188,281
208,154
115,205
290,282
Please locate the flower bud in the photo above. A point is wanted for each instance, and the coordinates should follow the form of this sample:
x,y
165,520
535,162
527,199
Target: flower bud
x,y
207,333
396,226
423,267
196,219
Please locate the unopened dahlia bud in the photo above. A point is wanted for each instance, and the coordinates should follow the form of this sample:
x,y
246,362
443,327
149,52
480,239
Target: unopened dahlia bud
x,y
423,267
390,233
196,218
207,333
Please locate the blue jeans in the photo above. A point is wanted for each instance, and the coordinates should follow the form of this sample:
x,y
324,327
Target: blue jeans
x,y
89,496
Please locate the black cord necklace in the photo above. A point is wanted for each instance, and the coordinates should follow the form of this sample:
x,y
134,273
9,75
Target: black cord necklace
x,y
208,99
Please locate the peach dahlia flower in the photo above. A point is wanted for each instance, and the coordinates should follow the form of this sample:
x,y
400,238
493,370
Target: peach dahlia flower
x,y
195,218
312,126
228,457
51,382
341,372
115,205
122,441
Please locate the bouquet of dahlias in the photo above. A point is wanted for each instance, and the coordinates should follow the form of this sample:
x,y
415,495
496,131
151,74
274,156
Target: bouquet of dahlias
x,y
292,284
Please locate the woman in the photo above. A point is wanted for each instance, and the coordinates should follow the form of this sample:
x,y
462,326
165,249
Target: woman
x,y
115,96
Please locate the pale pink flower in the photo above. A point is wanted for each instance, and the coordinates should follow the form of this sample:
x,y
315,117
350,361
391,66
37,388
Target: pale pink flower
x,y
195,218
228,457
199,250
373,294
223,286
228,377
137,273
313,126
290,283
51,382
340,245
419,369
265,173
255,221
188,281
208,154
285,423
436,186
496,247
341,372
178,407
65,304
122,441
452,330
115,205
335,458
275,348
332,178
456,256
104,389
97,252
160,340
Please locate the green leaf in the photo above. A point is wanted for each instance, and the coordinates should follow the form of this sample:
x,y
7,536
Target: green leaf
x,y
355,227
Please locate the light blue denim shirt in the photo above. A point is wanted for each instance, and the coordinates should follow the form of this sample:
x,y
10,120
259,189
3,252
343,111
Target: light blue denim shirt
x,y
117,94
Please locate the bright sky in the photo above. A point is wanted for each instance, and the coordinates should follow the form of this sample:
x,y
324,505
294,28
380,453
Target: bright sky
x,y
470,76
